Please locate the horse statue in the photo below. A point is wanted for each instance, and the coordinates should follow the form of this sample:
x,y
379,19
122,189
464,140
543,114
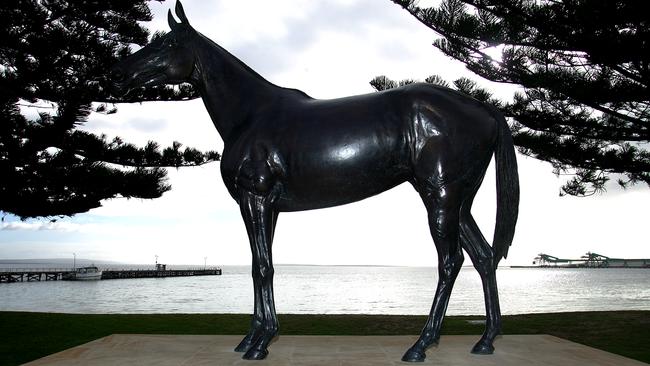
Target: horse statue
x,y
285,151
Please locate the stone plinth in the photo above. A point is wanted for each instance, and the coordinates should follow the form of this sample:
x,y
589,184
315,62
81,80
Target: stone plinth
x,y
194,350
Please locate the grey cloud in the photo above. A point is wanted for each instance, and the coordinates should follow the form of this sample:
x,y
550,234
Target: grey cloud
x,y
196,10
271,55
147,124
39,226
140,124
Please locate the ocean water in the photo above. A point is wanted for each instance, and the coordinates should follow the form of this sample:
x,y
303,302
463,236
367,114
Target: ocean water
x,y
340,290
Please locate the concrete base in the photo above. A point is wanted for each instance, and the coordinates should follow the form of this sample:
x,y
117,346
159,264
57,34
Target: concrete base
x,y
163,350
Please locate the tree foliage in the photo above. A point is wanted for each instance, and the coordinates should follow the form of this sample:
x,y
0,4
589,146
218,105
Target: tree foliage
x,y
585,70
53,58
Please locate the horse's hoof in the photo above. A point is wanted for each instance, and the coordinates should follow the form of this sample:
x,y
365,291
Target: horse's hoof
x,y
255,354
243,347
483,349
413,355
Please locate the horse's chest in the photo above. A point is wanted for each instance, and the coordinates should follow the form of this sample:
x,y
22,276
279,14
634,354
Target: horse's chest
x,y
251,168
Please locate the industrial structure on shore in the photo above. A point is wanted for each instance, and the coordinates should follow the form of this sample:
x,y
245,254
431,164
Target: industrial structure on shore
x,y
589,260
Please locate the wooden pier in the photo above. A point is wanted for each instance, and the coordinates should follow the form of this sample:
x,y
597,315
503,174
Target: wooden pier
x,y
10,275
146,273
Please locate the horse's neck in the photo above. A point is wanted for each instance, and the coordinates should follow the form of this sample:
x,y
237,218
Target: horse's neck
x,y
231,91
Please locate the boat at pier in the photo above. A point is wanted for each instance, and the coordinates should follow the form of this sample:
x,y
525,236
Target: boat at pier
x,y
86,274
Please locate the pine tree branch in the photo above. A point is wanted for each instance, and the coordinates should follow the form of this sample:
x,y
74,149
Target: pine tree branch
x,y
58,51
630,75
452,37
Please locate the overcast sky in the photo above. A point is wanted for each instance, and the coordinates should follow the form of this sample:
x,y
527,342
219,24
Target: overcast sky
x,y
328,49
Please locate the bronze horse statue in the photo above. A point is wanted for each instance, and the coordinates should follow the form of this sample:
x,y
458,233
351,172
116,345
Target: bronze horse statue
x,y
285,151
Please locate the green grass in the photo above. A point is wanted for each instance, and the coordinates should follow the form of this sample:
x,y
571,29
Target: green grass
x,y
28,336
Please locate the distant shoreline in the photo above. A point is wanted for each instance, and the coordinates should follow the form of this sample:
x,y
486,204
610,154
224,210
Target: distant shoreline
x,y
580,267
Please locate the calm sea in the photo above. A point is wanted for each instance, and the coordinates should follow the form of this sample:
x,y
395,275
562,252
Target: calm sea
x,y
340,290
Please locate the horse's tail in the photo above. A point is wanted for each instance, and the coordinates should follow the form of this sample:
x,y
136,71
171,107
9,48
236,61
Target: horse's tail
x,y
507,191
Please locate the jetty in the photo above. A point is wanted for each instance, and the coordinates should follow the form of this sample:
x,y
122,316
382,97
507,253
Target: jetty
x,y
589,260
10,275
152,273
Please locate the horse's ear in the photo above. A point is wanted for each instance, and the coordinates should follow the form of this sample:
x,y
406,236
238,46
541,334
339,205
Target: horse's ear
x,y
180,13
173,25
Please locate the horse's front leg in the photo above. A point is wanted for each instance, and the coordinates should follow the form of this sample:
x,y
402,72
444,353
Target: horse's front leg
x,y
260,219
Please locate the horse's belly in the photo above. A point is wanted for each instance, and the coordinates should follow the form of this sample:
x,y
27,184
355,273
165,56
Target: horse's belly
x,y
347,192
341,173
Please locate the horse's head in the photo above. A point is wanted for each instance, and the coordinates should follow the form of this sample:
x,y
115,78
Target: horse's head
x,y
167,60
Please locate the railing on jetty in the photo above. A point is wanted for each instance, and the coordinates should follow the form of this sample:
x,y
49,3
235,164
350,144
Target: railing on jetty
x,y
152,273
9,275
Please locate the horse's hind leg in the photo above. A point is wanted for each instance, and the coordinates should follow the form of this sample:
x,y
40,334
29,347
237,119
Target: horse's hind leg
x,y
483,259
443,208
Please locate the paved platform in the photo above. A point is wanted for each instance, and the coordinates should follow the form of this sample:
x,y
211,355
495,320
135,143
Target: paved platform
x,y
190,350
